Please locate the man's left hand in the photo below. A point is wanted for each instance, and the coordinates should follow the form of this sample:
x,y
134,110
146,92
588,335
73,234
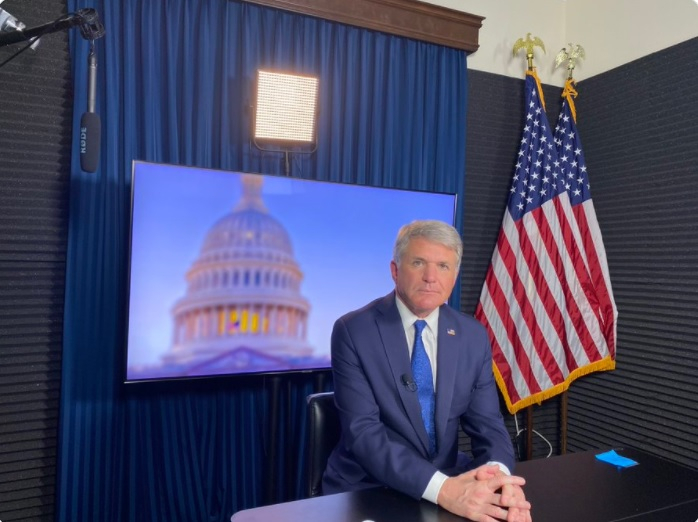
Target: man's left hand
x,y
509,492
512,491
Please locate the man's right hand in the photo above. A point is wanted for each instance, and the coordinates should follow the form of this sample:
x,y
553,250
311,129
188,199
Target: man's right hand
x,y
476,495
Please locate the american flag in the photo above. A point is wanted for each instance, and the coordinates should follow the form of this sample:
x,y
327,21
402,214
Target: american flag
x,y
233,326
591,247
547,300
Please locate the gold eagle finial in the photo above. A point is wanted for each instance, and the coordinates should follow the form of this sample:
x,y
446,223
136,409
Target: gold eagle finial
x,y
528,44
575,53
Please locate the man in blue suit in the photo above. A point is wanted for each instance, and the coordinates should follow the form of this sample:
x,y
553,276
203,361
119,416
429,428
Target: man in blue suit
x,y
388,436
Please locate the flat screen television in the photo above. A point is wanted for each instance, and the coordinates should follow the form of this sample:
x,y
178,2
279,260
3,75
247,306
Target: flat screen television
x,y
233,273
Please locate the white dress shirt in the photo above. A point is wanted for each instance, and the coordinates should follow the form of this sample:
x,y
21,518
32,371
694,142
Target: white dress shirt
x,y
430,339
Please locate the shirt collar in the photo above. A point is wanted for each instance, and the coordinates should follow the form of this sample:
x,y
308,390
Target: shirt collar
x,y
408,318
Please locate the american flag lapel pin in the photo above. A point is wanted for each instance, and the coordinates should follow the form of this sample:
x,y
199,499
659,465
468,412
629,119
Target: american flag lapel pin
x,y
451,331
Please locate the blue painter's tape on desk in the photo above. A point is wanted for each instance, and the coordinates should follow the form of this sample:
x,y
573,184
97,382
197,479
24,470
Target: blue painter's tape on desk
x,y
611,457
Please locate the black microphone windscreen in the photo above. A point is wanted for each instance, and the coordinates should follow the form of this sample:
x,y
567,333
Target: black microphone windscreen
x,y
408,382
90,137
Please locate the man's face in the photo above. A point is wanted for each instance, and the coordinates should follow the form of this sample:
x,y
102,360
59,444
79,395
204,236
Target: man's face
x,y
426,275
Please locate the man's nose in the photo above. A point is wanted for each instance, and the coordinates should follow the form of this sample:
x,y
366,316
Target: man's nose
x,y
429,274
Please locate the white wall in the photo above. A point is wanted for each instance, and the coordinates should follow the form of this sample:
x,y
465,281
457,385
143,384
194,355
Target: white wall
x,y
612,32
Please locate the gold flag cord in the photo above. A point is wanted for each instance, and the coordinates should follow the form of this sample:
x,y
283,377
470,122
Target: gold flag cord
x,y
570,93
533,73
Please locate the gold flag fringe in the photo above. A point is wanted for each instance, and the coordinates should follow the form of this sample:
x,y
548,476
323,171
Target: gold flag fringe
x,y
605,364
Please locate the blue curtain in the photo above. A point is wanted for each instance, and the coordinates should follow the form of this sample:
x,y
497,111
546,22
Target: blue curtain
x,y
174,86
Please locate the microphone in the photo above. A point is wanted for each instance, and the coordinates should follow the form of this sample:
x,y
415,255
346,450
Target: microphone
x,y
91,27
408,382
90,124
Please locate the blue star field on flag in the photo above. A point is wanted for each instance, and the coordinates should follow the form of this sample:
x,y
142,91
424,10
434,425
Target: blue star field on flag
x,y
571,157
538,176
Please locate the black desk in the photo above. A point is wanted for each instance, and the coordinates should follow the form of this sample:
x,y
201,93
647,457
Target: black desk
x,y
584,489
571,488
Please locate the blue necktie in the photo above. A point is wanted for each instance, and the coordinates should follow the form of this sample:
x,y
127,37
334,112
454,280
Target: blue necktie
x,y
421,371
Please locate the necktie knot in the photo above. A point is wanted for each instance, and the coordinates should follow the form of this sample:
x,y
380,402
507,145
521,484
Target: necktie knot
x,y
419,326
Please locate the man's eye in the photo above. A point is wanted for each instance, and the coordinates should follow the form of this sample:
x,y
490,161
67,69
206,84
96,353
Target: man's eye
x,y
444,266
417,263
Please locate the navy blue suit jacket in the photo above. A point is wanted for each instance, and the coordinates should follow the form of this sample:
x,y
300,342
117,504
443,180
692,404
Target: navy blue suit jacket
x,y
383,439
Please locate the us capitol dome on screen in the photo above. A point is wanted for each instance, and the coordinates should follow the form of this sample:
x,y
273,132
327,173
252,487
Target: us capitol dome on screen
x,y
242,308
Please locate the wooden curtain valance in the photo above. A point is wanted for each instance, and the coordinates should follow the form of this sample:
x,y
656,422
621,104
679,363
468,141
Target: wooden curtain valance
x,y
410,18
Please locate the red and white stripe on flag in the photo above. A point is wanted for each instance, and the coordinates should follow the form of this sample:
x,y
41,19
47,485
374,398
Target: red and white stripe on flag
x,y
546,301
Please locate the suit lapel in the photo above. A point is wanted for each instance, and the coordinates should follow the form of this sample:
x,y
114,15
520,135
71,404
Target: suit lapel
x,y
395,345
448,352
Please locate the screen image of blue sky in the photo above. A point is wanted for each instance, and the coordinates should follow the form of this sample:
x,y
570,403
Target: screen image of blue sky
x,y
342,237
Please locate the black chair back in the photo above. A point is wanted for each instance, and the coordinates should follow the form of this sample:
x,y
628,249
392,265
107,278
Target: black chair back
x,y
323,435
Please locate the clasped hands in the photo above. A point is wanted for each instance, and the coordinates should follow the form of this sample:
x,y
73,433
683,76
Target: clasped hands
x,y
486,494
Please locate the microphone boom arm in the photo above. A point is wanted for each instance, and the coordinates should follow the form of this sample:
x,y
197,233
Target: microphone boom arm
x,y
87,19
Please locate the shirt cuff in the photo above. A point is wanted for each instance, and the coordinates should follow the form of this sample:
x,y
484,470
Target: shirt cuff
x,y
504,469
432,492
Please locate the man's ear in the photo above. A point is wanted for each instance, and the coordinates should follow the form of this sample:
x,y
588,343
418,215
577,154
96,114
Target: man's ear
x,y
393,271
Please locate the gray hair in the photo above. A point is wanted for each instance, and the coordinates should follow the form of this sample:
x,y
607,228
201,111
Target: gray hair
x,y
431,230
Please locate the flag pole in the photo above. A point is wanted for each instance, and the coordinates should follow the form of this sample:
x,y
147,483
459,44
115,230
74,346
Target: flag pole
x,y
563,423
529,432
547,326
